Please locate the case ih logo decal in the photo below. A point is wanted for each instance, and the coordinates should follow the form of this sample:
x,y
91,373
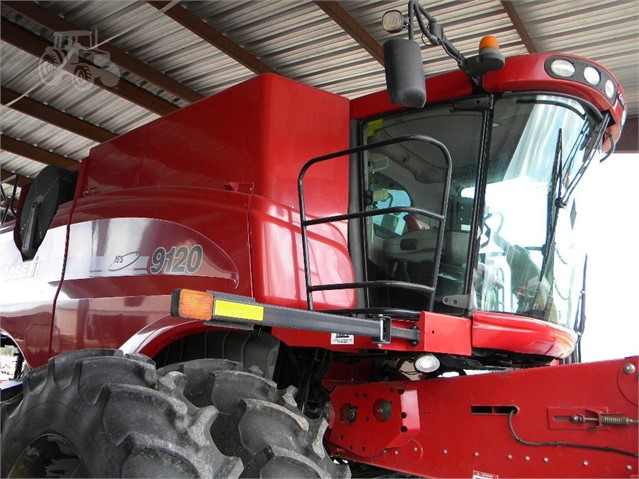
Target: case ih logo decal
x,y
20,271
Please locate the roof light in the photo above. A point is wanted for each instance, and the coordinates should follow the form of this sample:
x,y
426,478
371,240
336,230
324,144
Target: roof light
x,y
427,363
488,42
592,76
489,55
393,21
610,89
585,72
190,304
562,68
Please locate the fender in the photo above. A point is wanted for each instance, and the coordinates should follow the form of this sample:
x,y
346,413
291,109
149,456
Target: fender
x,y
154,337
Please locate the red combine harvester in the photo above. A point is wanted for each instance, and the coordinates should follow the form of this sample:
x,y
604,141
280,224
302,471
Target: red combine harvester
x,y
325,286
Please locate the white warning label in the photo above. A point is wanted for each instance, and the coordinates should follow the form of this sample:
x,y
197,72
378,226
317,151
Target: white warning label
x,y
484,475
341,338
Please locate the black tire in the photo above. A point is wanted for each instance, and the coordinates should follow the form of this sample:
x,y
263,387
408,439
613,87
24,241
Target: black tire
x,y
257,422
100,413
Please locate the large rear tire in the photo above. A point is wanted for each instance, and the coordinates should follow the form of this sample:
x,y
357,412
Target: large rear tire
x,y
257,422
100,413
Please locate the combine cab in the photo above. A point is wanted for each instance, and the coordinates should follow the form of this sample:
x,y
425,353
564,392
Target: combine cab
x,y
397,277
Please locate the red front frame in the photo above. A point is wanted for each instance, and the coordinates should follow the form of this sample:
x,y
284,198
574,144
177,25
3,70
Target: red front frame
x,y
459,427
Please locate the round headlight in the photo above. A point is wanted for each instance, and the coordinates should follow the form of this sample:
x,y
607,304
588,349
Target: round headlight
x,y
562,68
427,363
609,87
393,21
592,76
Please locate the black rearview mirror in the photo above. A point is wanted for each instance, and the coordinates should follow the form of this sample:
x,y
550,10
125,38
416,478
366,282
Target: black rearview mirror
x,y
404,73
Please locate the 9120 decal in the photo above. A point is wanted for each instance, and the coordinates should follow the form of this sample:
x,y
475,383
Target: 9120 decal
x,y
177,260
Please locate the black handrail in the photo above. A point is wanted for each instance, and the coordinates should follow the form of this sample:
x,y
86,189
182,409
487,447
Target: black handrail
x,y
440,217
381,211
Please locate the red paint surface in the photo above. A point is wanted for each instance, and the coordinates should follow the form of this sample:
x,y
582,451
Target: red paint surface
x,y
462,428
258,133
223,171
222,174
521,335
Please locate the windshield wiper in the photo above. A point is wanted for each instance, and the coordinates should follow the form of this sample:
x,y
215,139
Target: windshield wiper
x,y
555,203
598,138
555,200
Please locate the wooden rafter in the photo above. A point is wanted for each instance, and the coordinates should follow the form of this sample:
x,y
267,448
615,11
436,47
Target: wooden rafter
x,y
214,37
34,153
354,29
8,178
55,117
53,22
519,26
35,45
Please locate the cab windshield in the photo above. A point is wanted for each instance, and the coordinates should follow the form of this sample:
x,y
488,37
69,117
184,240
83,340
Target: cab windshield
x,y
509,241
530,261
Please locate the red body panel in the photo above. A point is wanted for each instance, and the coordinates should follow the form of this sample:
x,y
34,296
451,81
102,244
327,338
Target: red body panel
x,y
255,136
29,288
222,174
521,335
457,427
278,262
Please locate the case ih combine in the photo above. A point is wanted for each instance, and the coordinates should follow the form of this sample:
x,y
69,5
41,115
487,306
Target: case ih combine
x,y
315,278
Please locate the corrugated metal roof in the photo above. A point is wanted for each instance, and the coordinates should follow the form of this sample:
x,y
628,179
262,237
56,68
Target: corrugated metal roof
x,y
156,40
96,106
44,135
296,38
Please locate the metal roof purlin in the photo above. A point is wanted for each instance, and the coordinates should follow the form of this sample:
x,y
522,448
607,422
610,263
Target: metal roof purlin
x,y
519,25
53,22
9,177
58,118
34,153
214,37
35,45
340,16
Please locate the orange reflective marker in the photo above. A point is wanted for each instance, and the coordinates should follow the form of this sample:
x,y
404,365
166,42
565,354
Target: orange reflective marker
x,y
192,304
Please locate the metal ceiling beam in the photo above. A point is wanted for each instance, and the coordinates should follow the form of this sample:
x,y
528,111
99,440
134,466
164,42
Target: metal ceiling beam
x,y
354,29
519,25
35,45
629,143
214,37
34,153
53,22
55,117
8,177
